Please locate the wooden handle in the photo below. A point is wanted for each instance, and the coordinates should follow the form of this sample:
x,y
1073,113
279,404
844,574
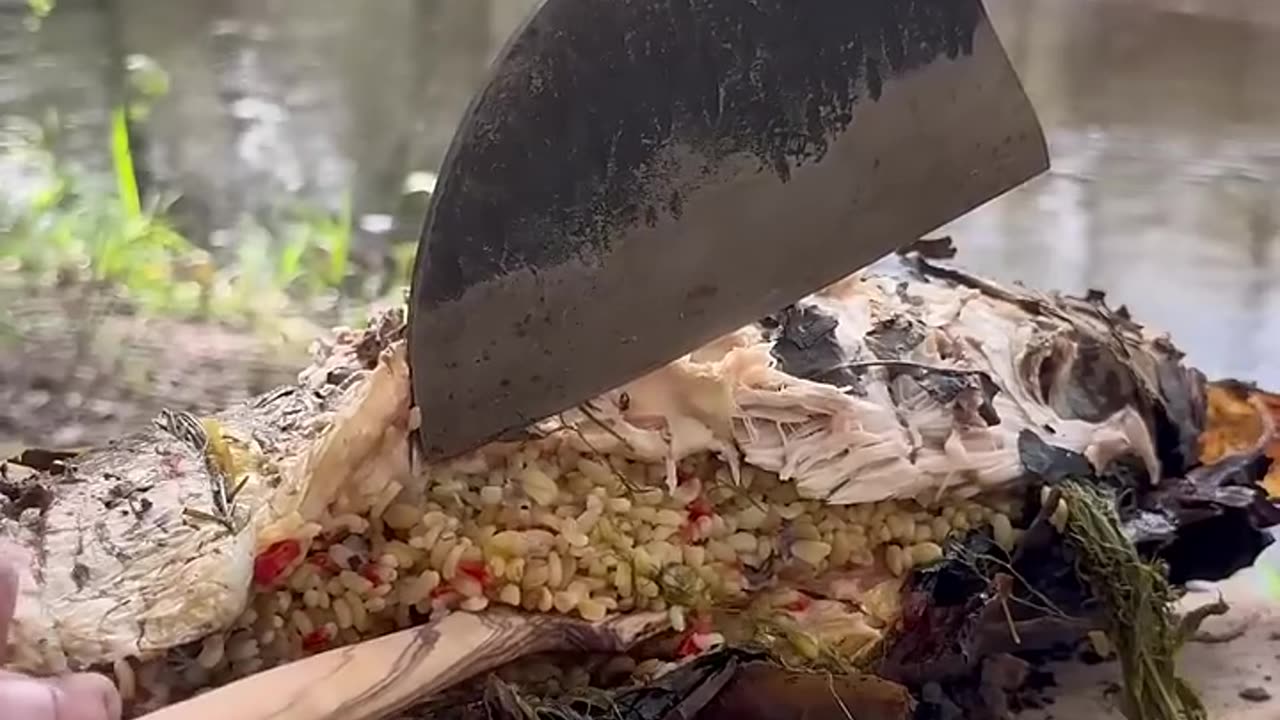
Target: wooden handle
x,y
378,677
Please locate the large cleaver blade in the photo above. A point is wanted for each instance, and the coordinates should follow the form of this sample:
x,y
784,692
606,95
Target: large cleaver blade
x,y
638,177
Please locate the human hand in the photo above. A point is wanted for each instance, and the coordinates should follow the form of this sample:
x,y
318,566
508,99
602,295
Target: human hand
x,y
82,696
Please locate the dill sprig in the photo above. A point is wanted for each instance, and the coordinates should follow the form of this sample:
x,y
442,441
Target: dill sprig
x,y
1138,601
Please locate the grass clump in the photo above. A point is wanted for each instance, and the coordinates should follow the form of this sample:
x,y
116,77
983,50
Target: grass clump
x,y
108,244
1138,601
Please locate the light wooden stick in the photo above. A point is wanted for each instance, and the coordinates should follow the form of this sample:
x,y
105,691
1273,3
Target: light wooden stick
x,y
376,678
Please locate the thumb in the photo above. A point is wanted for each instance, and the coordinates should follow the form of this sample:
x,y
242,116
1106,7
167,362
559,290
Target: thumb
x,y
8,603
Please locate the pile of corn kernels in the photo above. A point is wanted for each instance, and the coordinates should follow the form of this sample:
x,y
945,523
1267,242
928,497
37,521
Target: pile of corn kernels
x,y
556,531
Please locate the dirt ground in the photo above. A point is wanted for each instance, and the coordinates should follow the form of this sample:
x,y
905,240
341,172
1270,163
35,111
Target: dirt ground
x,y
1233,663
69,380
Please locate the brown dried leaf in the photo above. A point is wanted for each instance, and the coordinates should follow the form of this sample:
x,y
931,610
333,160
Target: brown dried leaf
x,y
761,691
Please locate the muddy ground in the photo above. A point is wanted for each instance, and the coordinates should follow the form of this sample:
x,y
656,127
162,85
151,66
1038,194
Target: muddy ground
x,y
71,376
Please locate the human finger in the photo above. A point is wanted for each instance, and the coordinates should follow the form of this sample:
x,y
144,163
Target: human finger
x,y
88,696
8,603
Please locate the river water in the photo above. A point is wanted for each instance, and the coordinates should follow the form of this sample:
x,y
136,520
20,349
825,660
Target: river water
x,y
1163,119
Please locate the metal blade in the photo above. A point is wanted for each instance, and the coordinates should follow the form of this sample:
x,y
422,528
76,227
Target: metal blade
x,y
639,177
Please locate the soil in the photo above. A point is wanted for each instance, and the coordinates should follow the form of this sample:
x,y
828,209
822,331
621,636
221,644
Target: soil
x,y
69,379
1231,676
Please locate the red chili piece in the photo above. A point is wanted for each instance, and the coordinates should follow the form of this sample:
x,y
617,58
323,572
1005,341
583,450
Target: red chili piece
x,y
315,641
271,563
700,625
687,646
477,570
698,509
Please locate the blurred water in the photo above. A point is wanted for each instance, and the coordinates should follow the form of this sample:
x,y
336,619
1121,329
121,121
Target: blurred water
x,y
1163,121
1163,118
315,102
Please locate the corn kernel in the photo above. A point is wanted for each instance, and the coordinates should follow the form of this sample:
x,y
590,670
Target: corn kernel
x,y
538,486
510,595
1002,530
925,553
400,516
811,551
751,517
895,560
591,610
941,528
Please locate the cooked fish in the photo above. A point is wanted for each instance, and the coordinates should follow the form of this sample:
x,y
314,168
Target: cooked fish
x,y
815,457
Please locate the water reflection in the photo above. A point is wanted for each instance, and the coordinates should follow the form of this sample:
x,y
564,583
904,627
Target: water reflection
x,y
1164,130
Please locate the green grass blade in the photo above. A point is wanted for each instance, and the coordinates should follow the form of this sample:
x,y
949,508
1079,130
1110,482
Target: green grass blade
x,y
122,159
340,252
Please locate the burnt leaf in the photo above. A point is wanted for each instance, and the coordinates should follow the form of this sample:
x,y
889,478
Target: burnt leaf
x,y
1050,463
806,346
42,460
942,248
